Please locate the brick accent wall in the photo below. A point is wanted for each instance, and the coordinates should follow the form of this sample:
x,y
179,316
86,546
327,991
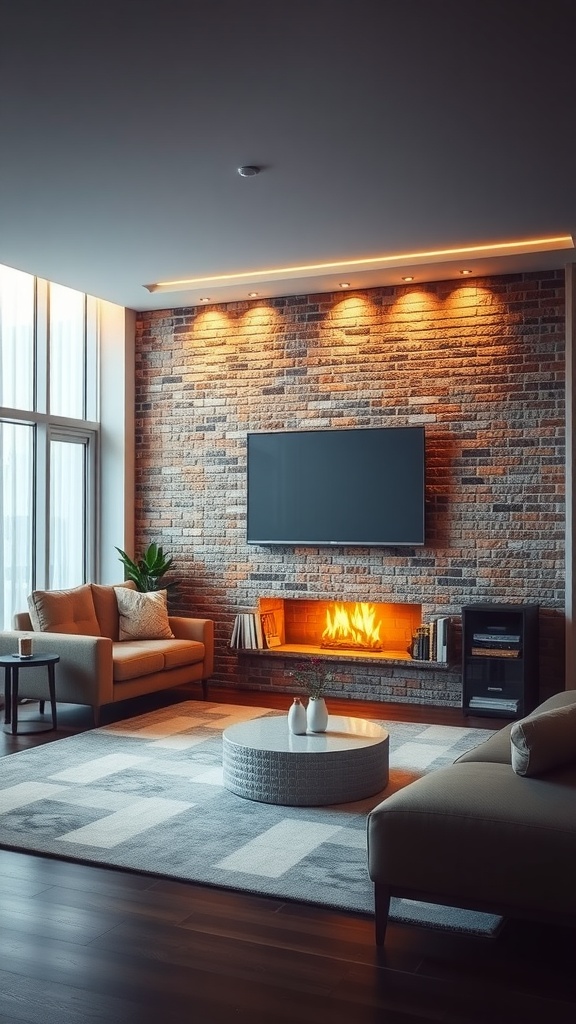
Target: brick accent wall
x,y
480,363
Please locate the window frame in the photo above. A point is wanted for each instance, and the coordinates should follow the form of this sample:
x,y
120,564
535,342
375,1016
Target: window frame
x,y
48,428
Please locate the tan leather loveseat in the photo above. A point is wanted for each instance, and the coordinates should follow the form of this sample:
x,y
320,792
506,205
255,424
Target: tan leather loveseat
x,y
495,831
96,668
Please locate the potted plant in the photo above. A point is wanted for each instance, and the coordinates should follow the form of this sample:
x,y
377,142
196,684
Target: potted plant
x,y
314,676
148,571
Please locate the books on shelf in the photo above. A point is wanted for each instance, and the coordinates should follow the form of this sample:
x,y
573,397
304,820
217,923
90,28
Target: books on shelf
x,y
258,631
254,631
235,632
430,642
440,646
437,646
270,629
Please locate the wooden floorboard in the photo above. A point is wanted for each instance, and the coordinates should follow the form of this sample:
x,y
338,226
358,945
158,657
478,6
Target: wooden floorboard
x,y
84,945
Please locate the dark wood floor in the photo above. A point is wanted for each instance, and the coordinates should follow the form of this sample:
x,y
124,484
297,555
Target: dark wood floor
x,y
83,945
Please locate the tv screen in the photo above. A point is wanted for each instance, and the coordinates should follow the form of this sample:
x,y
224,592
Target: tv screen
x,y
360,486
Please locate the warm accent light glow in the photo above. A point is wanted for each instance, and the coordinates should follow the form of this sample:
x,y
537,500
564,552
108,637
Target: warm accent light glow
x,y
356,629
492,249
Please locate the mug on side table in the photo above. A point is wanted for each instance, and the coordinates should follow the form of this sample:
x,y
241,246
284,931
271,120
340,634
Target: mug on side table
x,y
25,647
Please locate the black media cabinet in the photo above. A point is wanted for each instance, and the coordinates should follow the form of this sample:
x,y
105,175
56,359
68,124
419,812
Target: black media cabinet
x,y
499,659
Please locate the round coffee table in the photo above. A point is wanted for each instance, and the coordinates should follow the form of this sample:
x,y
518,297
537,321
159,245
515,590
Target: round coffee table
x,y
262,760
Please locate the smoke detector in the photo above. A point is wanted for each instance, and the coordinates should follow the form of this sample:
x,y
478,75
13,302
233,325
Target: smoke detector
x,y
248,171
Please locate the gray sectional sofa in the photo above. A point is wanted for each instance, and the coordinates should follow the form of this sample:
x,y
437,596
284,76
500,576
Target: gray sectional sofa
x,y
495,831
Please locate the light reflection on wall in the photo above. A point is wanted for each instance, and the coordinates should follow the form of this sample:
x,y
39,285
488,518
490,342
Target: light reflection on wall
x,y
352,310
458,297
211,327
414,304
443,301
257,321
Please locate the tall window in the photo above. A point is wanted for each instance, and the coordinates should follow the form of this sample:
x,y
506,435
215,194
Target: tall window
x,y
16,339
67,351
48,364
16,497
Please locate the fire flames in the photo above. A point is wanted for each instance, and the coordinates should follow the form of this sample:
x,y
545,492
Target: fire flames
x,y
357,629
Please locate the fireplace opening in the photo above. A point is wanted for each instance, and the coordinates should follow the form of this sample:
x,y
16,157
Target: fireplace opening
x,y
339,627
352,629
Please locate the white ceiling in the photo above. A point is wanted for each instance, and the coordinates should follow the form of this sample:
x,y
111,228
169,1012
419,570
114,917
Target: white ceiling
x,y
381,127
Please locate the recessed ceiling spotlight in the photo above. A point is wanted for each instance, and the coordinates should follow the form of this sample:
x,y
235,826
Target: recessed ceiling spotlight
x,y
248,171
205,299
344,284
252,295
407,278
465,272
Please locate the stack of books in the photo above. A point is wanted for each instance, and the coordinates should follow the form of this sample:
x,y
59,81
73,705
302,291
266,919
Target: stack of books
x,y
254,631
439,639
430,642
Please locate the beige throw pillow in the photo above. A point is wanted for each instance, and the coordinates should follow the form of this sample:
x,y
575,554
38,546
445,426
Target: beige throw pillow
x,y
64,611
543,742
143,616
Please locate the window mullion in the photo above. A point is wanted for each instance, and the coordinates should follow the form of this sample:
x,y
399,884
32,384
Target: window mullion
x,y
41,503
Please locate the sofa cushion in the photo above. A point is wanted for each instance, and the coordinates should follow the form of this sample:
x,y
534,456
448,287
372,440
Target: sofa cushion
x,y
64,611
106,607
143,616
545,741
134,659
181,652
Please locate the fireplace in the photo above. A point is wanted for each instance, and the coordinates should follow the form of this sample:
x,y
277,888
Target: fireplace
x,y
348,628
354,627
374,668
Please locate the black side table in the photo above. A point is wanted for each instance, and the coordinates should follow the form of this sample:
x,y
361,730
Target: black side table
x,y
12,663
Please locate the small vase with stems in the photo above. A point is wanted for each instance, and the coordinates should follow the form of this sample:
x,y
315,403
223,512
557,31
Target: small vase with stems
x,y
313,676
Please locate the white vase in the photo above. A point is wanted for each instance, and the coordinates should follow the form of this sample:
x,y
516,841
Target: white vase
x,y
317,714
297,718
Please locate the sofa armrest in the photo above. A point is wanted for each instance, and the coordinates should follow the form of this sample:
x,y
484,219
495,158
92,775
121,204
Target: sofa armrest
x,y
83,674
201,630
22,621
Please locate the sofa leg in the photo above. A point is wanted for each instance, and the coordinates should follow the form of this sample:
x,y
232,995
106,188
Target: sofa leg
x,y
96,713
204,689
381,911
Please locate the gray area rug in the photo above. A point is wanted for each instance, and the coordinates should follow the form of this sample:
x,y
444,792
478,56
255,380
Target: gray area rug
x,y
146,795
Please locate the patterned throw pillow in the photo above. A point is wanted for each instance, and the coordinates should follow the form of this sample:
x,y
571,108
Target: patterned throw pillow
x,y
143,616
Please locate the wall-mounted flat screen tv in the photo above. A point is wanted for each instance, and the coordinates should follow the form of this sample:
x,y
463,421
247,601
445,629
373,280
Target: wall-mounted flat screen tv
x,y
359,486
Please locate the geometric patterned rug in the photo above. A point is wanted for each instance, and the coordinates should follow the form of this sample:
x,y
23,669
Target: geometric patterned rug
x,y
146,795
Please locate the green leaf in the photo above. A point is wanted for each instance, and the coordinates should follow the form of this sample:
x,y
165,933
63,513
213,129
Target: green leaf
x,y
147,573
